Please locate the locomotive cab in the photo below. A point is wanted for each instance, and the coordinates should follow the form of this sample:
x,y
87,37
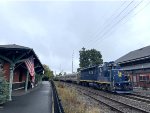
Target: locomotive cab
x,y
121,82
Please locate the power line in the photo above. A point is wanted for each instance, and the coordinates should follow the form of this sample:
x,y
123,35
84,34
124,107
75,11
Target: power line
x,y
148,3
110,26
72,60
117,22
108,23
142,9
114,25
118,14
138,13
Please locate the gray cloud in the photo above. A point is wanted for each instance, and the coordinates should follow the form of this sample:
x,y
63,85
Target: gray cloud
x,y
56,29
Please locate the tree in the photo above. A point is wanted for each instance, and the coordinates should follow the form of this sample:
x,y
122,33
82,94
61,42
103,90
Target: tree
x,y
65,73
90,57
48,74
60,74
84,60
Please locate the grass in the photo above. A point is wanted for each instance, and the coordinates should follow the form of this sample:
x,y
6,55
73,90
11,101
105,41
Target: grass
x,y
71,100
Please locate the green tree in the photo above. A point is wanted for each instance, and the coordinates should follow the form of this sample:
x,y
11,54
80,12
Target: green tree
x,y
84,59
90,57
48,73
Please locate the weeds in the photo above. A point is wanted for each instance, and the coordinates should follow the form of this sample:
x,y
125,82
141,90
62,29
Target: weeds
x,y
71,101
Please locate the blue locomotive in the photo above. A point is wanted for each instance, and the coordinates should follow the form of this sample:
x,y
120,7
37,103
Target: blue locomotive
x,y
108,76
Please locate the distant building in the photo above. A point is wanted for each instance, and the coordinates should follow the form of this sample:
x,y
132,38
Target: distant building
x,y
137,65
16,71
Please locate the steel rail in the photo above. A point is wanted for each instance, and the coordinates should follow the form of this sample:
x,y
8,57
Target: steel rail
x,y
137,98
98,94
126,105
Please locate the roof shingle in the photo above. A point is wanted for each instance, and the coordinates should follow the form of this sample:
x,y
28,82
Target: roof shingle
x,y
134,55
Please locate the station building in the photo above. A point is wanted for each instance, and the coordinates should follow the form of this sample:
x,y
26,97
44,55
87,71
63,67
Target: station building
x,y
137,66
16,72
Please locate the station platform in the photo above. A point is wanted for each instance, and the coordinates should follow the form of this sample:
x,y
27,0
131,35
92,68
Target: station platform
x,y
38,100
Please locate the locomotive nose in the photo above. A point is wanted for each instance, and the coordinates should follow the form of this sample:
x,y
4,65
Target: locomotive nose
x,y
118,86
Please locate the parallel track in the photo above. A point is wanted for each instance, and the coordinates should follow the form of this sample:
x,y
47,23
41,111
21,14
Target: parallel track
x,y
118,106
138,98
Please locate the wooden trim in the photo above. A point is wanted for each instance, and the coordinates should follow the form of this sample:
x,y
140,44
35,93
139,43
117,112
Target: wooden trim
x,y
18,82
18,88
5,58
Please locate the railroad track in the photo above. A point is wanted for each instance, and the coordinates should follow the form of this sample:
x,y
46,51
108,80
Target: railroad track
x,y
113,108
138,98
114,104
142,96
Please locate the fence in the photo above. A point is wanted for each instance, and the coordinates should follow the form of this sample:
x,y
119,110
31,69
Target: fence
x,y
57,104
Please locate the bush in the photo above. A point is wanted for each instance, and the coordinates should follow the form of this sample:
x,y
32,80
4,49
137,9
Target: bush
x,y
4,88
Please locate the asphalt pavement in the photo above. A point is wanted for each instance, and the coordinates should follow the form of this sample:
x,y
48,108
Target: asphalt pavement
x,y
37,101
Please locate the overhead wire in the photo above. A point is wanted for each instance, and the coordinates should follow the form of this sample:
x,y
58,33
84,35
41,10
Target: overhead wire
x,y
114,25
109,21
106,22
142,9
148,3
116,15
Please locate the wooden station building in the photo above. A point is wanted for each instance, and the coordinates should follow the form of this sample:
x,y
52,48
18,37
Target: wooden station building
x,y
12,62
137,65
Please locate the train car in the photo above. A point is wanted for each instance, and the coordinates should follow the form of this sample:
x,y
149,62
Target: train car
x,y
59,78
108,76
72,77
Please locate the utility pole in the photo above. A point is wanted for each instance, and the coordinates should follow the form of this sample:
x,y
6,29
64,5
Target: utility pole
x,y
60,68
72,60
55,73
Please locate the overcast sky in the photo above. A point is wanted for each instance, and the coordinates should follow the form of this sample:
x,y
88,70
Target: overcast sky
x,y
55,29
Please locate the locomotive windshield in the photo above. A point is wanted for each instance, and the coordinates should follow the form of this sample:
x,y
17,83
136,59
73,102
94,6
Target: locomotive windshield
x,y
119,75
126,78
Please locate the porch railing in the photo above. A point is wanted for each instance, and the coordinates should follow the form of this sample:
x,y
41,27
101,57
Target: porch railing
x,y
18,85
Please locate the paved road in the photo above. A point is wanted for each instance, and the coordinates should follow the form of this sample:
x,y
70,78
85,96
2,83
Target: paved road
x,y
38,101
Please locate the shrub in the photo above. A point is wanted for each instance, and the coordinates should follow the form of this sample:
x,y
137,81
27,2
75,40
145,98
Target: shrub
x,y
4,88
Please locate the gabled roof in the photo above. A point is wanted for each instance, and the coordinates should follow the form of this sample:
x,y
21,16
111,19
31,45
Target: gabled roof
x,y
13,46
17,52
139,54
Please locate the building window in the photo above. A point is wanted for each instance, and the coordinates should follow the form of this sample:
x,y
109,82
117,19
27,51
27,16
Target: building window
x,y
147,78
143,78
140,78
